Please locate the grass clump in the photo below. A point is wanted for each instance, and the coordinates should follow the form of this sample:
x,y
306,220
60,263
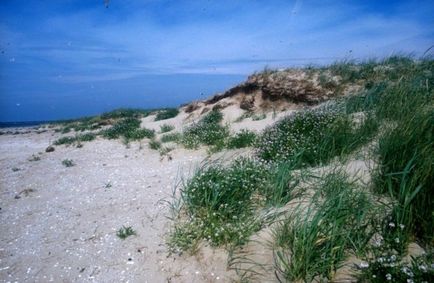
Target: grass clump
x,y
123,128
406,148
125,232
172,137
406,158
167,114
314,241
154,144
76,139
166,128
68,163
129,129
123,113
65,140
140,134
244,138
219,204
207,131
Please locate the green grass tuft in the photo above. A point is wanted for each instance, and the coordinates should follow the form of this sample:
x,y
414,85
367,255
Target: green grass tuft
x,y
166,128
125,232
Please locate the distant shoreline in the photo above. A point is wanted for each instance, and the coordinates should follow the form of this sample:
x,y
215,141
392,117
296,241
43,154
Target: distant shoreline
x,y
23,124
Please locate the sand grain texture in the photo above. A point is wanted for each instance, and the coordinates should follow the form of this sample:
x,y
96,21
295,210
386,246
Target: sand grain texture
x,y
62,228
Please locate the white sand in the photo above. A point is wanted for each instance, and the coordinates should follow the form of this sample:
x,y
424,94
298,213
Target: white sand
x,y
65,230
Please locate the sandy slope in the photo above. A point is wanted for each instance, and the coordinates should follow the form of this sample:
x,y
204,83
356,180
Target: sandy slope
x,y
62,226
65,229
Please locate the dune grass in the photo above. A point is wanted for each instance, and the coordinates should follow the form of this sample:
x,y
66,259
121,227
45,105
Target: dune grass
x,y
166,128
313,242
171,137
166,114
208,131
391,117
244,138
219,204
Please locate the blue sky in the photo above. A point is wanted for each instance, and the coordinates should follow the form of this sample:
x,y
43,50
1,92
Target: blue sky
x,y
68,58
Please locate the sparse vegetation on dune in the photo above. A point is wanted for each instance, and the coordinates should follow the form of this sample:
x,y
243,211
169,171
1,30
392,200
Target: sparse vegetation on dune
x,y
166,114
296,181
120,123
125,232
390,118
208,131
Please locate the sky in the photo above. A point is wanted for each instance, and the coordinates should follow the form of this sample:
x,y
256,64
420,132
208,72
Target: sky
x,y
70,58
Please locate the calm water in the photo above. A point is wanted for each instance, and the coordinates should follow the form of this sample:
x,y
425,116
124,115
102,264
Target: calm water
x,y
44,101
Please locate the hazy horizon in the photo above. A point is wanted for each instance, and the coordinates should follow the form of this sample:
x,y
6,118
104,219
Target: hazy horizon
x,y
67,59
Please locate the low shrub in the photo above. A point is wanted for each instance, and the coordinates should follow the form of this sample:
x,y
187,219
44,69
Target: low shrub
x,y
123,128
244,138
219,204
172,137
154,144
315,135
167,114
139,134
166,128
386,266
207,131
64,140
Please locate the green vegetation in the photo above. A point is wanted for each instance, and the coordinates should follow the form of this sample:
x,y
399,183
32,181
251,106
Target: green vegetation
x,y
244,138
208,131
219,204
167,114
321,216
68,163
125,113
129,129
388,267
120,123
154,144
313,241
172,137
315,136
75,140
166,128
125,232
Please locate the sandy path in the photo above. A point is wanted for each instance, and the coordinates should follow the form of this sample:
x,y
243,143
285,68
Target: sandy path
x,y
65,229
